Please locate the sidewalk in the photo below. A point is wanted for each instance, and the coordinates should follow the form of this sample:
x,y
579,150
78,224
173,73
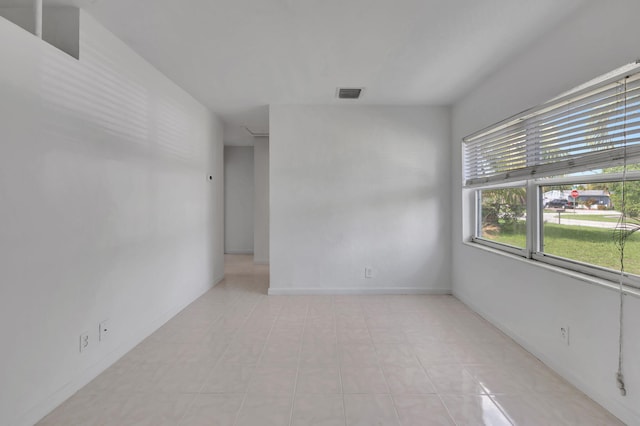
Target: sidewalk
x,y
552,217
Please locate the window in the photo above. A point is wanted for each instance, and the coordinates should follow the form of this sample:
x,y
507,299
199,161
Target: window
x,y
502,216
560,183
584,229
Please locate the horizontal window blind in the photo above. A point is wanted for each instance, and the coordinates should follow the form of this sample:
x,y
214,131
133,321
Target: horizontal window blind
x,y
593,126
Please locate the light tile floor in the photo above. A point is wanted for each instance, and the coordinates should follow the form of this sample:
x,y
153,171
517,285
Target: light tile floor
x,y
239,357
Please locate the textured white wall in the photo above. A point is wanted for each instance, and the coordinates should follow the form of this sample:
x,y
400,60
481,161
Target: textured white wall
x,y
261,201
526,300
106,210
238,199
356,187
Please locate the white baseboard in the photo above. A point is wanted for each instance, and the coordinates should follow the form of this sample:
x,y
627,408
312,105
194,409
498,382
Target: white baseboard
x,y
354,291
82,378
217,281
616,408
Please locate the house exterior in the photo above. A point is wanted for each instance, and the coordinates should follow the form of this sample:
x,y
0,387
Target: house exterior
x,y
596,197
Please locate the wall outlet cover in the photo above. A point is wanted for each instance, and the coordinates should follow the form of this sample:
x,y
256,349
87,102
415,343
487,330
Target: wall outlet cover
x,y
84,341
564,334
103,330
368,272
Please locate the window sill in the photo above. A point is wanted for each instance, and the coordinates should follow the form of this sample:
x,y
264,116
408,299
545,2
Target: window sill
x,y
610,285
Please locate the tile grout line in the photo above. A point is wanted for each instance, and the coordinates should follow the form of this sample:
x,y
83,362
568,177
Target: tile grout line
x,y
386,382
194,394
218,328
438,393
505,414
295,383
489,394
200,392
485,393
424,368
338,352
246,393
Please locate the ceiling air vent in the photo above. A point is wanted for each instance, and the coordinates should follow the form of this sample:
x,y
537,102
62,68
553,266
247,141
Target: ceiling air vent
x,y
349,93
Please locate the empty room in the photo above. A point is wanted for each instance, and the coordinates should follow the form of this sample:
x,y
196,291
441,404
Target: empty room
x,y
305,212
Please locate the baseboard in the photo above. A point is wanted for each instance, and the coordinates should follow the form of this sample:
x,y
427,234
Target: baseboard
x,y
354,291
624,413
81,379
238,252
216,281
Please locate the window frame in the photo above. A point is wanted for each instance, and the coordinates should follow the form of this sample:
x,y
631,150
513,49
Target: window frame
x,y
534,225
477,233
519,151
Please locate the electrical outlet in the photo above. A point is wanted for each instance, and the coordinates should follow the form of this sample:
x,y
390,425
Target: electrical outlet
x,y
368,272
84,342
564,334
103,330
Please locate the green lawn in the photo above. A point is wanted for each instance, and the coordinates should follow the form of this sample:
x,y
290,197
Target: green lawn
x,y
514,235
582,243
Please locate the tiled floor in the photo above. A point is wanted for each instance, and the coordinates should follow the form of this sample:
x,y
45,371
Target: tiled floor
x,y
238,357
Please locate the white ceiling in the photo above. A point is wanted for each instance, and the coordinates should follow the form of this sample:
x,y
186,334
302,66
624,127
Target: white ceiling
x,y
239,56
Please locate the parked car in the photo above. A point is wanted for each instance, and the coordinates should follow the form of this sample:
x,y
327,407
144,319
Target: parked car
x,y
558,203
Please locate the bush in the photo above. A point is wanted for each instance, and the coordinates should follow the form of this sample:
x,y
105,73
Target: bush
x,y
502,207
501,215
632,210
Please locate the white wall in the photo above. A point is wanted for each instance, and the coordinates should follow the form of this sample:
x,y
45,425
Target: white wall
x,y
106,210
356,187
527,301
238,199
261,201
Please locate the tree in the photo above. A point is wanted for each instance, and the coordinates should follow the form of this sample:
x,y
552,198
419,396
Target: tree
x,y
602,186
589,202
503,207
631,191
